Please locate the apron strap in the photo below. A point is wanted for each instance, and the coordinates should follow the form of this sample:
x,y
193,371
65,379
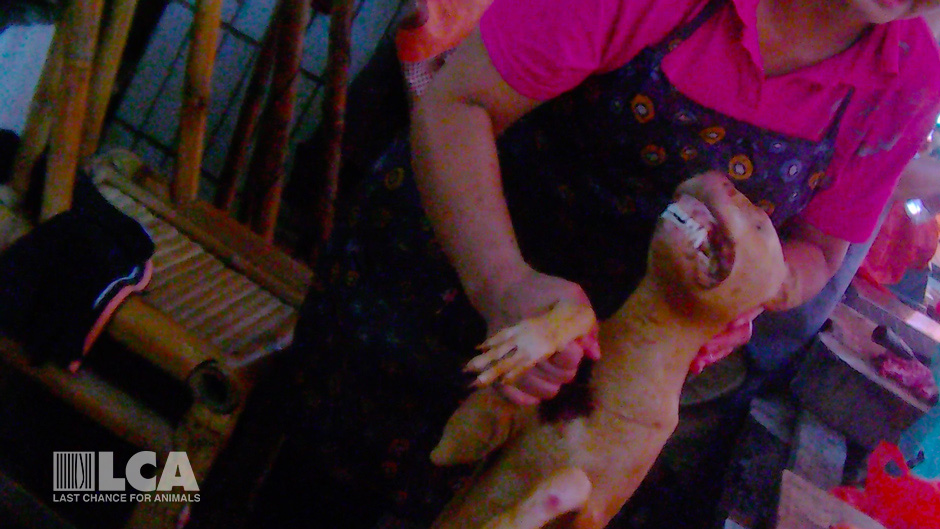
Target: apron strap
x,y
683,31
837,119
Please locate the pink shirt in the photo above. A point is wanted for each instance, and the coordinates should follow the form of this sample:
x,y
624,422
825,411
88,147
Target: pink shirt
x,y
542,48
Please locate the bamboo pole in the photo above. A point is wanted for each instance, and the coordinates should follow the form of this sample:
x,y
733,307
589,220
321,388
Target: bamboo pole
x,y
94,397
107,61
266,171
248,116
164,343
80,22
41,115
196,92
334,114
202,434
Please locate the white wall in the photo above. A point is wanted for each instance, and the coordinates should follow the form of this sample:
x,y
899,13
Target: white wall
x,y
22,53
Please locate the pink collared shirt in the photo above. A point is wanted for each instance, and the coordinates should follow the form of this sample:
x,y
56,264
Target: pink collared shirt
x,y
542,48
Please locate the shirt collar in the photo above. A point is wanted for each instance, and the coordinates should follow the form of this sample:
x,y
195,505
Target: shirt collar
x,y
875,57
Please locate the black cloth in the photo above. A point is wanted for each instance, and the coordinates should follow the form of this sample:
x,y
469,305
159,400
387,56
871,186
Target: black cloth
x,y
56,280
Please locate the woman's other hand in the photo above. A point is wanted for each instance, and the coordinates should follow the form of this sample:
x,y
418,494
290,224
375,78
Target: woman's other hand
x,y
736,334
529,294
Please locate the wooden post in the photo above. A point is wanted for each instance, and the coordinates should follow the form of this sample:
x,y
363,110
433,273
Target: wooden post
x,y
155,337
196,92
107,61
266,172
248,116
334,120
80,24
41,115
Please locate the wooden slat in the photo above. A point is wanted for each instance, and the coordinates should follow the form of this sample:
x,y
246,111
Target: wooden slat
x,y
249,309
180,278
160,232
219,301
95,398
196,93
228,241
175,254
210,297
188,291
266,331
265,264
166,251
247,356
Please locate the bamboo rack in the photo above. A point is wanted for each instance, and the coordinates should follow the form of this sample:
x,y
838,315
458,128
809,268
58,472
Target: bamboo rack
x,y
334,116
107,61
196,93
81,22
266,172
248,115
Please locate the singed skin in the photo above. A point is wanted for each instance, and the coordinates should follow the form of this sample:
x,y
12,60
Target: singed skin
x,y
589,466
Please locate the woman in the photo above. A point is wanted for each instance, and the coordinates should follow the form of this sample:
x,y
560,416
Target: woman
x,y
544,151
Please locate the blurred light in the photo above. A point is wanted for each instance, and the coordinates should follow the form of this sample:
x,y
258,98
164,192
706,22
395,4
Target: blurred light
x,y
914,207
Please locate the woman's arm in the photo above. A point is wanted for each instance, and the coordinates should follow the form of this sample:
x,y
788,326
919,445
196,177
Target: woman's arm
x,y
812,259
920,179
454,129
454,126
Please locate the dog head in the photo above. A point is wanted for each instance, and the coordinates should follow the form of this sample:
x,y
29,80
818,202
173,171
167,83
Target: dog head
x,y
714,252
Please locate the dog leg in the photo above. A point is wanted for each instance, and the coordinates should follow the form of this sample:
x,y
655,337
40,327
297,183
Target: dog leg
x,y
485,421
513,350
482,423
564,491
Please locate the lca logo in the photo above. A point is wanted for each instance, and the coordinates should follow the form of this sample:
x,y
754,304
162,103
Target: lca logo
x,y
93,472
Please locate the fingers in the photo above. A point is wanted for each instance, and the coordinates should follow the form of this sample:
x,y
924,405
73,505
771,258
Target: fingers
x,y
537,387
494,363
729,340
735,335
590,345
543,381
560,373
516,396
747,317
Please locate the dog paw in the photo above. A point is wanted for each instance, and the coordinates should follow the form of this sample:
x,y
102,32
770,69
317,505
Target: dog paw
x,y
564,491
512,351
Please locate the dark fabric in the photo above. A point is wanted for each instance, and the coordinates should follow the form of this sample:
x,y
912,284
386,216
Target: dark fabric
x,y
27,13
56,280
9,143
387,328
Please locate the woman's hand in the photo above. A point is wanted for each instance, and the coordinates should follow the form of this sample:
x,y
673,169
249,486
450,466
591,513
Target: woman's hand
x,y
735,335
531,293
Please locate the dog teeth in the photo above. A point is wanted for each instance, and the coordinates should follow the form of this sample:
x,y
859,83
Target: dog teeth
x,y
696,233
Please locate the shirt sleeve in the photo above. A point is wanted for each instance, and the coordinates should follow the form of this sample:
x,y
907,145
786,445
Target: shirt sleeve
x,y
542,48
878,139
